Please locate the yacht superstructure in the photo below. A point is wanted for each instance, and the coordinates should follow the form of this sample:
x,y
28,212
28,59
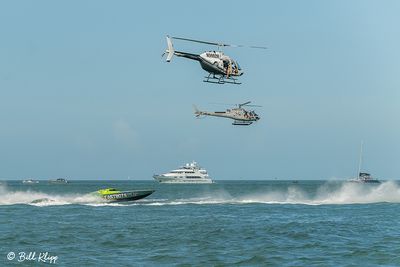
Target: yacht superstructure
x,y
189,173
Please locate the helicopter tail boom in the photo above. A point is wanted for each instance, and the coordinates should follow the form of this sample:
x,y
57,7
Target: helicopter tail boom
x,y
170,51
200,113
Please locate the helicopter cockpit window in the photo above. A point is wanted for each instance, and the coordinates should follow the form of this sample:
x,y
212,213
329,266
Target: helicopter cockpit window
x,y
235,67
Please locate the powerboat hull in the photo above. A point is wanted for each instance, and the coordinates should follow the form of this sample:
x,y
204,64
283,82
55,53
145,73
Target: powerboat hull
x,y
127,195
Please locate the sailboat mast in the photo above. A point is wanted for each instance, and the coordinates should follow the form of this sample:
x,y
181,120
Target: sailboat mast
x,y
360,161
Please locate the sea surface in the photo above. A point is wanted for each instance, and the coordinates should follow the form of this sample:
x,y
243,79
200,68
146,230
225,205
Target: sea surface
x,y
229,223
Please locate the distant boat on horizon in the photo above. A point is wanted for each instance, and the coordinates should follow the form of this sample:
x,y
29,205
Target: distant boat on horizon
x,y
30,181
58,181
363,177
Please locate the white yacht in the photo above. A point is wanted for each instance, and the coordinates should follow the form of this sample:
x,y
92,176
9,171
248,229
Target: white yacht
x,y
190,173
363,177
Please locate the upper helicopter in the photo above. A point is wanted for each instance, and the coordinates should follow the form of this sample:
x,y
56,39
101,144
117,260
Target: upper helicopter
x,y
221,68
239,115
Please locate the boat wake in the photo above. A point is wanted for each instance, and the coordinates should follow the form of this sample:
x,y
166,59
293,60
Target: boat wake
x,y
43,199
346,193
326,194
36,198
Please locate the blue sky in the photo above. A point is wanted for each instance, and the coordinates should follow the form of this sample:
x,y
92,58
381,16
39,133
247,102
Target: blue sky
x,y
85,94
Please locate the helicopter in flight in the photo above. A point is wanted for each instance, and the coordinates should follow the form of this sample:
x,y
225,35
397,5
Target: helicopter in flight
x,y
239,115
220,67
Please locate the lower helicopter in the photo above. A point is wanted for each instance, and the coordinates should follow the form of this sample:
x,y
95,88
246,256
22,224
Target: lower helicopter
x,y
239,115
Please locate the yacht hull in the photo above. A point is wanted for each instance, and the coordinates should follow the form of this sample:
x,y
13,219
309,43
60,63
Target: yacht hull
x,y
365,181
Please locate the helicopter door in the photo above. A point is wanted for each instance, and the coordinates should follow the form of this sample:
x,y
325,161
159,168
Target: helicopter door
x,y
227,67
226,63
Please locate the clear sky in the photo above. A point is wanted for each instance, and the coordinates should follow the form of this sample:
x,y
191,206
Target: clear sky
x,y
85,94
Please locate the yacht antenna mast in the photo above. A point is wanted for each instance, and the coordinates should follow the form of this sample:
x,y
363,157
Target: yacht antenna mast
x,y
360,160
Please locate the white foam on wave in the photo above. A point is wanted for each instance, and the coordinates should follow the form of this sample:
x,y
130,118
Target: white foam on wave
x,y
104,204
353,193
194,201
347,193
43,199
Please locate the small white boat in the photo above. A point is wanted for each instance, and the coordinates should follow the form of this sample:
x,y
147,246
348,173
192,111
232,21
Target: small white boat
x,y
363,177
30,181
191,173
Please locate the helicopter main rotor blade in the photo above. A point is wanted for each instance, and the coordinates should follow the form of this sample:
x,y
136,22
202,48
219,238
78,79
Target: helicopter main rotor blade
x,y
217,44
258,47
253,106
249,46
239,105
223,104
245,103
199,41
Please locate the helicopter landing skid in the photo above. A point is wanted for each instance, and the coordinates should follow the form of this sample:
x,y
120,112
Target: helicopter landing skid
x,y
220,80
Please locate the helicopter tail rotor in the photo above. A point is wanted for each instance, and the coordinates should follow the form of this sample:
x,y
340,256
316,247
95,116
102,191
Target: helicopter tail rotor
x,y
170,49
197,112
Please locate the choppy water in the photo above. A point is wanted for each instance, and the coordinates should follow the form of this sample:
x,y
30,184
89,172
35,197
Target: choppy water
x,y
244,223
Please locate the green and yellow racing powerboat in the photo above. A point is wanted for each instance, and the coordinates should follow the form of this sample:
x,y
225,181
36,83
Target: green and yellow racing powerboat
x,y
115,195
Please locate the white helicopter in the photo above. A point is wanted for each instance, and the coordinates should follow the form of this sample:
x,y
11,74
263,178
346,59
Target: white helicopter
x,y
239,115
221,68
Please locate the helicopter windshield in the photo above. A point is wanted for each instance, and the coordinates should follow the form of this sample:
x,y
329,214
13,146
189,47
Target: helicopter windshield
x,y
235,68
235,63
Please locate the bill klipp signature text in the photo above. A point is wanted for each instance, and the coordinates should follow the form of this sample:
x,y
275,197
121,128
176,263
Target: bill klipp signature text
x,y
32,256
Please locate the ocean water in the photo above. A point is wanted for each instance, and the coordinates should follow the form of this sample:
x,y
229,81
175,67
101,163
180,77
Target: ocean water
x,y
229,223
